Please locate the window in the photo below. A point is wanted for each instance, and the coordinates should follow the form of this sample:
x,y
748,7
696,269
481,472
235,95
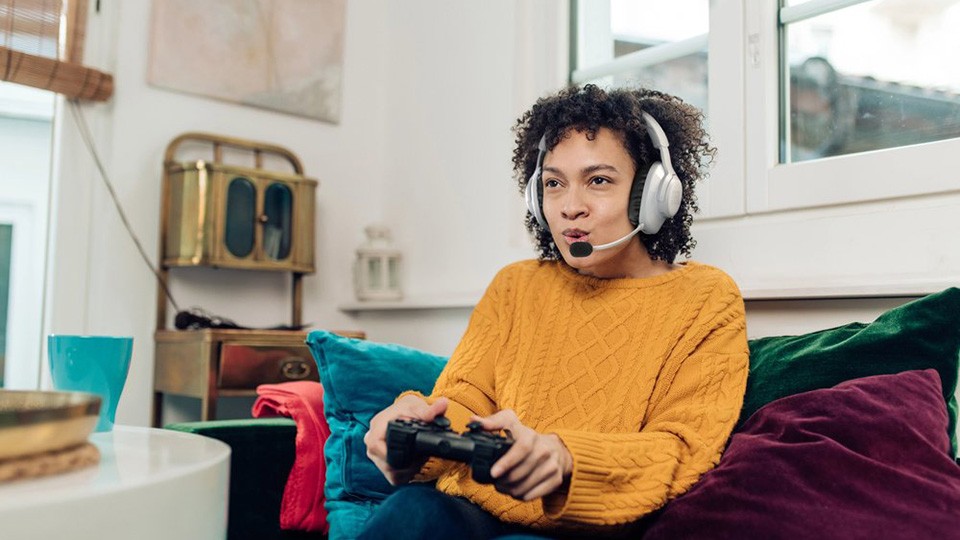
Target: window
x,y
848,93
860,93
836,123
25,134
41,53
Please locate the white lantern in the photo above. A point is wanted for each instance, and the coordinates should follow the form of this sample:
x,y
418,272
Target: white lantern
x,y
376,272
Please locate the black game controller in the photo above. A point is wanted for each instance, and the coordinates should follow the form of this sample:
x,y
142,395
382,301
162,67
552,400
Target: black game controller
x,y
410,440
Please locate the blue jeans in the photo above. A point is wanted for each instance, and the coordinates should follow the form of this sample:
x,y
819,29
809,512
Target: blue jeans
x,y
420,511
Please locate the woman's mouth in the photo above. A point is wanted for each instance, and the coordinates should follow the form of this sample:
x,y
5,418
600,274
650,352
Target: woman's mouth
x,y
575,235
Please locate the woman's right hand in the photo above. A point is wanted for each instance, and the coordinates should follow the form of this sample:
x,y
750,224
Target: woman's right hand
x,y
409,406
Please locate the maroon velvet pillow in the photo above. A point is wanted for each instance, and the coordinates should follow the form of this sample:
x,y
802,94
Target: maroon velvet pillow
x,y
868,458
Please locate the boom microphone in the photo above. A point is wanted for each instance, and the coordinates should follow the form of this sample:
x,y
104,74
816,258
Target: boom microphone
x,y
584,249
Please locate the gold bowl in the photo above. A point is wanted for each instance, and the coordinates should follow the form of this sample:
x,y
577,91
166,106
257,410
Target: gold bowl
x,y
33,422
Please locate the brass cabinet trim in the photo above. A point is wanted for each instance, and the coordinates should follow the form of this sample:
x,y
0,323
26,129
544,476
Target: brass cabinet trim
x,y
239,170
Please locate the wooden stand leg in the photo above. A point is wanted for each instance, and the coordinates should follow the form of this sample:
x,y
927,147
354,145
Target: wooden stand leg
x,y
208,403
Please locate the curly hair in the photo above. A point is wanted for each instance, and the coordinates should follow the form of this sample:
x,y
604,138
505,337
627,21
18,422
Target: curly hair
x,y
588,108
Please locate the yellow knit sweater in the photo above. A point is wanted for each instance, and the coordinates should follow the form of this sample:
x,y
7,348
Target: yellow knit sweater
x,y
642,380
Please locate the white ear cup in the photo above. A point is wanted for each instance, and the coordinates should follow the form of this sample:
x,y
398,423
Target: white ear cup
x,y
662,193
671,196
533,187
533,199
650,218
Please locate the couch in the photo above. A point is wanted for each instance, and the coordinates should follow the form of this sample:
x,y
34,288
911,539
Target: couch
x,y
849,431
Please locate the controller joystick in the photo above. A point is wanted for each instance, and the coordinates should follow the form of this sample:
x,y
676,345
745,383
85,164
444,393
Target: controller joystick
x,y
409,441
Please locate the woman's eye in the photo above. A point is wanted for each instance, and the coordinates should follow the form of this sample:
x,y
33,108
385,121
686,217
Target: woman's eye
x,y
551,183
599,180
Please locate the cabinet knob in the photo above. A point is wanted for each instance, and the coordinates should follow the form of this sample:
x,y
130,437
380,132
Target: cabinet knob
x,y
294,368
263,218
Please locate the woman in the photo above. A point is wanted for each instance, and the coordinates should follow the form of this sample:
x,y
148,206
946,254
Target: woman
x,y
618,372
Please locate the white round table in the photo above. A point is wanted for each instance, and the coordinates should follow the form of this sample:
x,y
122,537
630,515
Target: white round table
x,y
149,484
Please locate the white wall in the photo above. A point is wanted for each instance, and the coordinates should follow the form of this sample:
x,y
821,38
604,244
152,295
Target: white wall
x,y
789,317
456,89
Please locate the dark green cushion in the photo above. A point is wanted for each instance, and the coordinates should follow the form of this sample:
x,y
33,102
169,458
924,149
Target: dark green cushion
x,y
261,456
923,334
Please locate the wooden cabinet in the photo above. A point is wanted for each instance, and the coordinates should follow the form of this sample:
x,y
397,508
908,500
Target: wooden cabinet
x,y
237,217
225,215
209,364
230,215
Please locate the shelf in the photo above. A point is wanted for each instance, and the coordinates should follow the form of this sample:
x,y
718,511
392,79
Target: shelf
x,y
903,289
454,301
858,290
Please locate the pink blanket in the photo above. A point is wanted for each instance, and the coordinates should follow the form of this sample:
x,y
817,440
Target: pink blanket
x,y
302,506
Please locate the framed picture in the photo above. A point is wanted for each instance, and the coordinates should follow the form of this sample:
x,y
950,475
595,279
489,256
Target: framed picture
x,y
282,55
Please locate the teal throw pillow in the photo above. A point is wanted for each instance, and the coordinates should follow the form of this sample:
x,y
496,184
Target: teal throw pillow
x,y
361,378
923,334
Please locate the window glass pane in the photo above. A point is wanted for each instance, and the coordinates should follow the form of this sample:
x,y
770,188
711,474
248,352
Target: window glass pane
x,y
374,277
684,77
638,24
241,207
393,274
278,207
872,76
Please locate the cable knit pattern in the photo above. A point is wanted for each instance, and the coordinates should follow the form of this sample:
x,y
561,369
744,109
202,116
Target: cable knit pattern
x,y
642,379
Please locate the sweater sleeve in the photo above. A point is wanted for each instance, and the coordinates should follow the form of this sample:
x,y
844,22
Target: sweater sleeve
x,y
619,477
467,380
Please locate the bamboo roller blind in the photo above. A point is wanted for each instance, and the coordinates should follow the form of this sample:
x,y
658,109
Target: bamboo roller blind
x,y
41,45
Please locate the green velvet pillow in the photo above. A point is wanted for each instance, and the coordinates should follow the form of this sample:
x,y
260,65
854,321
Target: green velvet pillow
x,y
923,334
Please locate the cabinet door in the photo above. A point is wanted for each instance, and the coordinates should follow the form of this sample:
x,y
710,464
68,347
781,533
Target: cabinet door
x,y
277,220
240,216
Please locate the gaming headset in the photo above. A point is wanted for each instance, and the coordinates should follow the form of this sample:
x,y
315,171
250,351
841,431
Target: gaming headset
x,y
652,201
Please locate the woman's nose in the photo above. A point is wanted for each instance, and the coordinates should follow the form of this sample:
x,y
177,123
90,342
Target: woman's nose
x,y
574,205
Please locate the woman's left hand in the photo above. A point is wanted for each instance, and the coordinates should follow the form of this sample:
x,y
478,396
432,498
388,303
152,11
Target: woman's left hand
x,y
535,466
